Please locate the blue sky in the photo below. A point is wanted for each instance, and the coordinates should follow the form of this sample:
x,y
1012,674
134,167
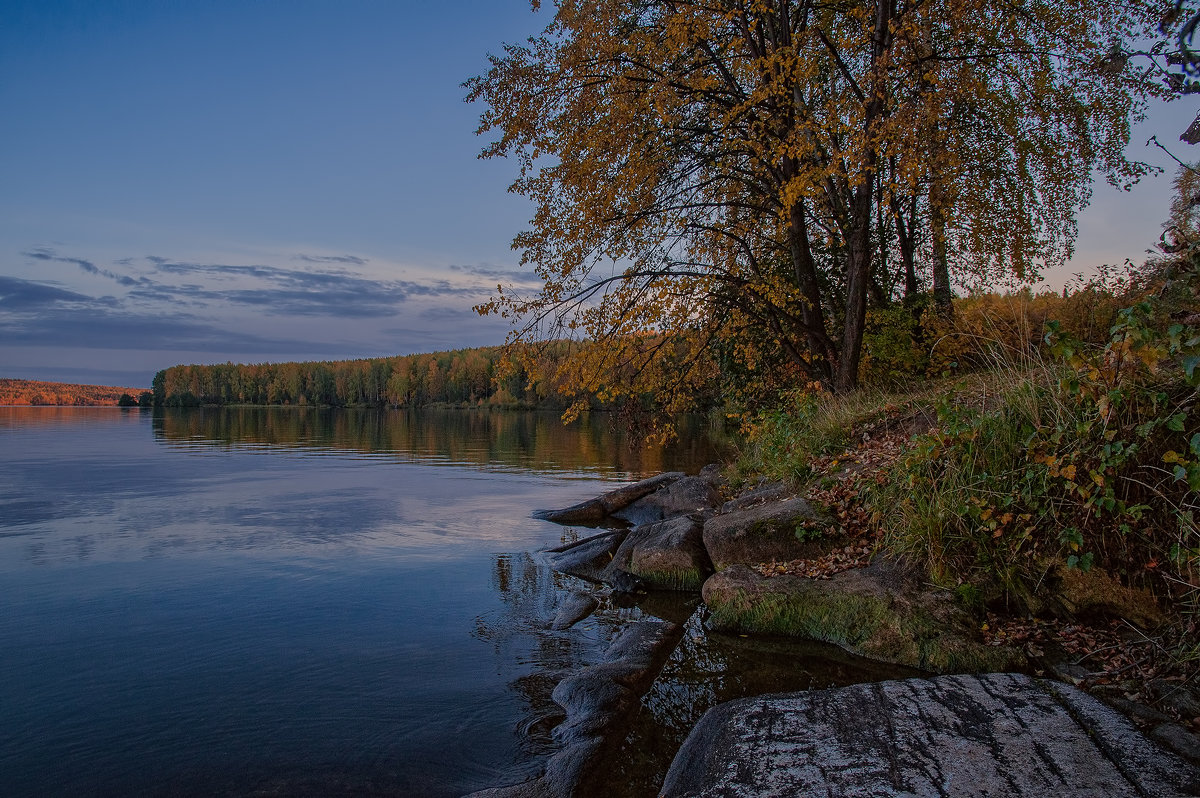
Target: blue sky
x,y
207,181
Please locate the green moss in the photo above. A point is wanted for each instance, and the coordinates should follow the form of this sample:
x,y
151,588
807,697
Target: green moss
x,y
868,625
672,579
846,620
765,527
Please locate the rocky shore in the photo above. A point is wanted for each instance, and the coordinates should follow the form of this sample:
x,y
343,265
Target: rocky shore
x,y
766,561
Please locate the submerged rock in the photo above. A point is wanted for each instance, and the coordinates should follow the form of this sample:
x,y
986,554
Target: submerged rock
x,y
884,612
624,582
991,735
758,534
680,497
595,511
589,558
666,555
574,609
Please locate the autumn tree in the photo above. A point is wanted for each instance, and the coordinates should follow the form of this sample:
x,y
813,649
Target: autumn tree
x,y
728,170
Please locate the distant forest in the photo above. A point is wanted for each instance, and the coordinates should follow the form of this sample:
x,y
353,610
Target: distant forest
x,y
463,377
35,392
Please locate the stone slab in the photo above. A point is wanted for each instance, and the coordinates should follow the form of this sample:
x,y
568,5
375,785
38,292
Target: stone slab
x,y
996,735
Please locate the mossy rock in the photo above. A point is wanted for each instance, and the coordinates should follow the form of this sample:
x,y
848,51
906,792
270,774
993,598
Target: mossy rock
x,y
667,555
764,533
882,612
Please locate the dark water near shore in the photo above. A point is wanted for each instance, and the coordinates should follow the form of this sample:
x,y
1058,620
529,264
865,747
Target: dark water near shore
x,y
302,602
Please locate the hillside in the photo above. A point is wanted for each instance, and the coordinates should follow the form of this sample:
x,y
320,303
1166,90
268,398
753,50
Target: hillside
x,y
36,392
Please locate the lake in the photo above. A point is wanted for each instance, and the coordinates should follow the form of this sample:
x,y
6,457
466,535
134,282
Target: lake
x,y
253,601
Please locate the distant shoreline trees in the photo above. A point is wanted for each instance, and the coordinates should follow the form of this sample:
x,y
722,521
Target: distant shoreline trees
x,y
462,377
63,394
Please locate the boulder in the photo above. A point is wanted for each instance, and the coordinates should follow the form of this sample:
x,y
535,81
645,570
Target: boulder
x,y
680,497
884,612
990,735
574,609
767,492
666,555
595,511
759,534
713,474
589,558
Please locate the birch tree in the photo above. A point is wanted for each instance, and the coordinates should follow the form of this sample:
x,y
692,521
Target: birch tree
x,y
717,170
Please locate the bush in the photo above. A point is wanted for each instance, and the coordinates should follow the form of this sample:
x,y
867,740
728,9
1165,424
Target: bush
x,y
1089,457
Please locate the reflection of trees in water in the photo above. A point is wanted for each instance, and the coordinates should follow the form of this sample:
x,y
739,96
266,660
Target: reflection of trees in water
x,y
534,440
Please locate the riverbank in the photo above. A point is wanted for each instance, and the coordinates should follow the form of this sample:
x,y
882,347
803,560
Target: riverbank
x,y
813,559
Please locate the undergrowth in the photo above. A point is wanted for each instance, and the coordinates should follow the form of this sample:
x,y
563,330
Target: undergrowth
x,y
1052,446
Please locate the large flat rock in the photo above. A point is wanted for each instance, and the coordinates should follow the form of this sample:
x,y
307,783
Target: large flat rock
x,y
996,735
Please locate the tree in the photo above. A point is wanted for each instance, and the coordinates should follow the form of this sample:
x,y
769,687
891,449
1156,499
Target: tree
x,y
716,170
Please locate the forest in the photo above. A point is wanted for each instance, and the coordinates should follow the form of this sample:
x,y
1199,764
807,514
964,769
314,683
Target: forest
x,y
36,392
462,377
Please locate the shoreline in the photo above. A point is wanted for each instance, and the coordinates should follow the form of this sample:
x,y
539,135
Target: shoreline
x,y
666,521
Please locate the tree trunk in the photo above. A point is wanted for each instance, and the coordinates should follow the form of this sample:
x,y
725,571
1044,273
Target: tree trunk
x,y
858,234
806,280
906,239
858,275
943,298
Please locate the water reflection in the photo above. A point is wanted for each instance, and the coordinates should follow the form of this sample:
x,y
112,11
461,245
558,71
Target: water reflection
x,y
536,441
520,632
707,669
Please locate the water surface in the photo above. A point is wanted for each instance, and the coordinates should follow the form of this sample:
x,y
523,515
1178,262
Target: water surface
x,y
281,601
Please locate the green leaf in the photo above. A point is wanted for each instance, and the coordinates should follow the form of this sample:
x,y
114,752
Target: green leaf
x,y
1175,423
1189,365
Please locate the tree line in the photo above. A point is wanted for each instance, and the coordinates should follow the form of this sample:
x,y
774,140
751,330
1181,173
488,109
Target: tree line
x,y
486,376
38,392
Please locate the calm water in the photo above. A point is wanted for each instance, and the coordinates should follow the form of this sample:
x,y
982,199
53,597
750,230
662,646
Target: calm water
x,y
287,601
301,602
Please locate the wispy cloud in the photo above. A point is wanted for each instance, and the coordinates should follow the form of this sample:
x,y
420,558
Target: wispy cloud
x,y
493,273
22,296
294,292
105,328
351,259
332,306
47,254
274,290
